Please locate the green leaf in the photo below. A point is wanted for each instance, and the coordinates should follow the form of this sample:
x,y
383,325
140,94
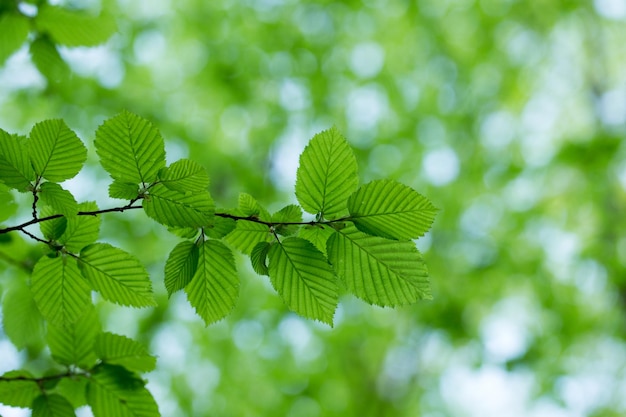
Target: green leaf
x,y
16,170
14,32
220,227
61,201
258,256
52,405
176,209
389,209
52,229
18,392
130,148
81,230
8,207
123,190
115,391
316,234
21,320
214,289
185,176
74,28
73,344
74,390
56,152
304,279
247,235
181,266
248,206
380,271
59,290
115,349
48,61
117,275
288,214
327,174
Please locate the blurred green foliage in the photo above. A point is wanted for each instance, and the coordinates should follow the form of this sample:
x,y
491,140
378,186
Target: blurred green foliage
x,y
509,115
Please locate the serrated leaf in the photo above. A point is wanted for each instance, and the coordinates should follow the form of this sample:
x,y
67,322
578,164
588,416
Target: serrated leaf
x,y
130,148
181,266
59,289
390,209
185,176
74,390
114,391
123,190
214,289
73,344
380,271
14,32
120,350
48,61
81,231
304,279
184,232
16,170
288,214
56,153
19,392
52,405
21,320
52,229
247,235
317,234
248,206
74,28
61,201
172,208
327,174
258,257
117,275
8,207
220,227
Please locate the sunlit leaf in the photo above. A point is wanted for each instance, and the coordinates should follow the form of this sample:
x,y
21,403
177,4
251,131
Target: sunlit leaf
x,y
21,320
52,405
389,209
14,32
81,231
16,170
74,28
123,190
73,344
16,390
117,275
60,291
130,148
181,266
247,234
214,289
258,257
304,279
316,234
61,201
176,209
327,174
120,350
185,176
288,214
380,271
48,61
56,152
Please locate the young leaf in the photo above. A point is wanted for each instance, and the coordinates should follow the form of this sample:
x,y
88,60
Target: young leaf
x,y
115,349
185,176
18,392
304,279
115,391
123,190
59,290
56,152
48,61
389,209
118,276
379,271
73,344
181,266
61,201
247,234
327,174
14,32
288,214
21,319
248,206
258,256
16,170
214,289
220,227
81,230
52,405
316,234
176,209
73,28
130,148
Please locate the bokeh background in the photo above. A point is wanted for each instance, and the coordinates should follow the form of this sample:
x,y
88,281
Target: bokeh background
x,y
509,115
